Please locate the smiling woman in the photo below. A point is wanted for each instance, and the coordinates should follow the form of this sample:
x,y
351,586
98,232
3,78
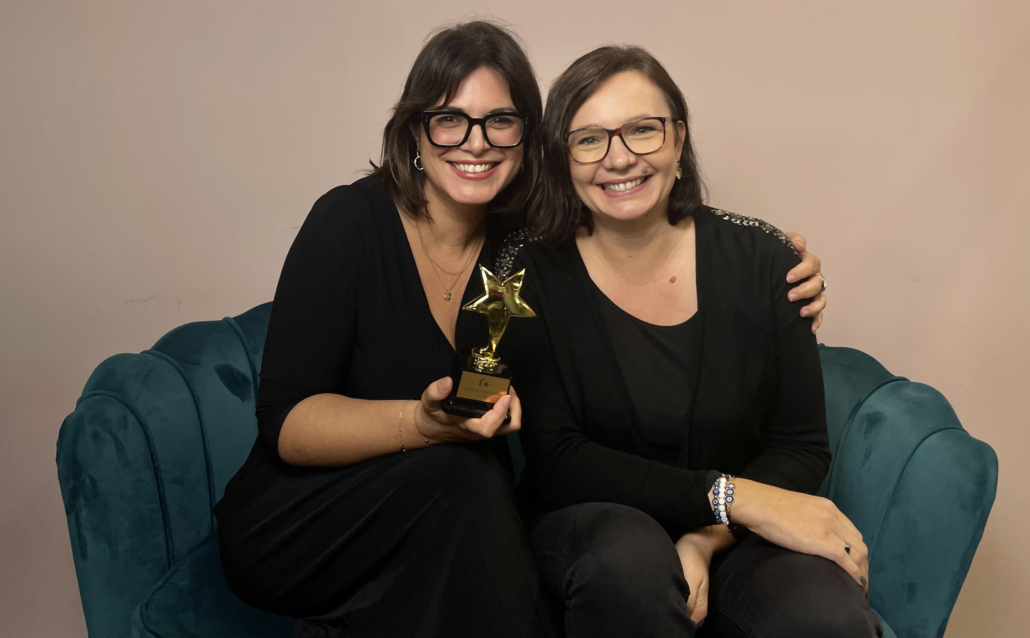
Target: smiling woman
x,y
666,359
363,508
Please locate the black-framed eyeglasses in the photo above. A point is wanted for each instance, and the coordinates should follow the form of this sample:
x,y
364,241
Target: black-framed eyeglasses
x,y
641,137
452,128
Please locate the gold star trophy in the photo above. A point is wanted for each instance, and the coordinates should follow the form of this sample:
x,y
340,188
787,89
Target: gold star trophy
x,y
480,378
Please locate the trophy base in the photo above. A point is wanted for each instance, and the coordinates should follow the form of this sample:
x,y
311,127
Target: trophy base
x,y
475,392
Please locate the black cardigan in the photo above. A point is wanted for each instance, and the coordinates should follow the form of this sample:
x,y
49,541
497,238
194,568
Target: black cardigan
x,y
758,408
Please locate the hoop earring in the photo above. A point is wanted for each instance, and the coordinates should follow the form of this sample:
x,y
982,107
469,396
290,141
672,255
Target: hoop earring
x,y
679,170
418,156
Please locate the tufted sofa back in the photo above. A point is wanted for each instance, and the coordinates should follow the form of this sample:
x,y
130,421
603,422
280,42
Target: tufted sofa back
x,y
146,454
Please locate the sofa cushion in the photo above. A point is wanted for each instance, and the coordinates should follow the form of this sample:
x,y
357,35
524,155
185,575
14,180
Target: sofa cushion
x,y
194,599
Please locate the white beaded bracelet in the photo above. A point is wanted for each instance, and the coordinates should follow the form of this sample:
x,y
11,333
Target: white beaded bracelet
x,y
722,498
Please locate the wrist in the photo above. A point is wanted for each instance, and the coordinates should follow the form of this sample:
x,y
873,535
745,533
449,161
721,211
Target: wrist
x,y
418,423
711,540
744,501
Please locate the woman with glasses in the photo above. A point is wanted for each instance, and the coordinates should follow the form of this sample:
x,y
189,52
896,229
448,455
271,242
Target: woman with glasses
x,y
673,395
363,508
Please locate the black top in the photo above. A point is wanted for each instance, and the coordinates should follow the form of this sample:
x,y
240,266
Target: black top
x,y
757,408
350,315
658,365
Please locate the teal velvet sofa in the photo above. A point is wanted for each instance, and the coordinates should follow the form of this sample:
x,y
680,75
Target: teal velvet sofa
x,y
155,437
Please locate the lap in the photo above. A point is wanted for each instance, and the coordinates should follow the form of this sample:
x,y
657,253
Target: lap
x,y
618,567
759,589
303,542
610,570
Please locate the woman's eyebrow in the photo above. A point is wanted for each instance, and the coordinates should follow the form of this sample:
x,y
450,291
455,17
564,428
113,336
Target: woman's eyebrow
x,y
644,116
455,109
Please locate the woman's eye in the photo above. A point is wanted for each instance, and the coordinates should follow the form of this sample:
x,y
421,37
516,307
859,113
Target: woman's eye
x,y
587,141
501,122
643,130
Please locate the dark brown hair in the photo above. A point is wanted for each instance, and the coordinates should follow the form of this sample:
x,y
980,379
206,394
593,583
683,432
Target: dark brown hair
x,y
556,211
449,56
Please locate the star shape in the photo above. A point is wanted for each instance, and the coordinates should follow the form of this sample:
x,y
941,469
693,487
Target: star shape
x,y
501,296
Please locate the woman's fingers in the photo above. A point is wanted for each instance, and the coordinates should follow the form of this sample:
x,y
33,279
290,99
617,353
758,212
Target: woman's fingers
x,y
800,243
808,289
488,424
816,322
810,265
815,306
692,600
836,550
700,609
436,392
515,411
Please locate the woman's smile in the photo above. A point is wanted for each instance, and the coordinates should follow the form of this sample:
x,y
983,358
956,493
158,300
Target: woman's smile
x,y
625,187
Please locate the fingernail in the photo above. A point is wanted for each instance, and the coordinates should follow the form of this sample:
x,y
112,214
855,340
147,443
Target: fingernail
x,y
804,312
792,296
790,278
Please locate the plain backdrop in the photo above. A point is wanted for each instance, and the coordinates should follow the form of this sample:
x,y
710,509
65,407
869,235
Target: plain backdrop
x,y
157,158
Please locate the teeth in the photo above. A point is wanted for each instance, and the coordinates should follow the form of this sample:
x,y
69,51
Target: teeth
x,y
624,186
473,168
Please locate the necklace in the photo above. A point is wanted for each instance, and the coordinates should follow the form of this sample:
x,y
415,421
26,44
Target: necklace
x,y
437,269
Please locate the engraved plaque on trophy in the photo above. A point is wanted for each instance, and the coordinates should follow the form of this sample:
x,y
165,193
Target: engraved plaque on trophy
x,y
480,377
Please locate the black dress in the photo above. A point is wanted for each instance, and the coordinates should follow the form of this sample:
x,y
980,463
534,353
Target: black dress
x,y
425,543
627,424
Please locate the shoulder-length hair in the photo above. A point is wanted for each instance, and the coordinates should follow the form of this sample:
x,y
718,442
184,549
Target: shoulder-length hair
x,y
556,211
449,57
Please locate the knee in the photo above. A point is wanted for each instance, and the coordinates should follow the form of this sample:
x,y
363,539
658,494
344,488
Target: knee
x,y
853,619
624,555
813,596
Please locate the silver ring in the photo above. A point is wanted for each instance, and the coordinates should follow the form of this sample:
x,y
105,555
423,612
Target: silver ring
x,y
824,281
847,549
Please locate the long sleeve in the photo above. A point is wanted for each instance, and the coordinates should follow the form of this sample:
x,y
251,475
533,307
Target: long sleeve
x,y
795,453
568,468
311,328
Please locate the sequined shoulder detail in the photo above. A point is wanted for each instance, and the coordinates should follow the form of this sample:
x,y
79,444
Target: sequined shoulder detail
x,y
509,249
766,227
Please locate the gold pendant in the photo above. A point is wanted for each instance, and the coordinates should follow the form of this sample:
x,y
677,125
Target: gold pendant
x,y
447,296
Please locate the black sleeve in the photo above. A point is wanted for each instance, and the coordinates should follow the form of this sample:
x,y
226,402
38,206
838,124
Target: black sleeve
x,y
567,468
310,331
796,451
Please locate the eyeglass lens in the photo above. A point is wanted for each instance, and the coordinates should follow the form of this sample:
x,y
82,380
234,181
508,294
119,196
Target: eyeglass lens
x,y
450,129
640,136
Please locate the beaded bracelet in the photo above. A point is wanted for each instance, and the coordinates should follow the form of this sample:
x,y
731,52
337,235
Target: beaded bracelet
x,y
722,498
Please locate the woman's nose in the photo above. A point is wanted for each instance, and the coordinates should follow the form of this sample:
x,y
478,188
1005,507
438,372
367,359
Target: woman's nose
x,y
619,157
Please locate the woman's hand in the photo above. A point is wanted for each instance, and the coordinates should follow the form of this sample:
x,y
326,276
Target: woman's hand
x,y
439,427
696,553
802,523
811,286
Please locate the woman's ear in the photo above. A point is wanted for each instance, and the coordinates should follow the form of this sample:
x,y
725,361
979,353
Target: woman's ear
x,y
416,134
681,135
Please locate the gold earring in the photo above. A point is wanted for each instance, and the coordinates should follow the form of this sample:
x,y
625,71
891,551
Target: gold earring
x,y
679,170
418,156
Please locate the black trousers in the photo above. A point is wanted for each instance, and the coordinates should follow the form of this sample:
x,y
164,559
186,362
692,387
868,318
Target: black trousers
x,y
611,570
426,543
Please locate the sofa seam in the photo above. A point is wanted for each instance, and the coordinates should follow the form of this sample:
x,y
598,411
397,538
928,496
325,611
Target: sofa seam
x,y
846,431
246,350
897,483
155,465
200,423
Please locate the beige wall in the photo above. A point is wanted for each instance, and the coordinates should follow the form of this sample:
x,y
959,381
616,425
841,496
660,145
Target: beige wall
x,y
157,158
